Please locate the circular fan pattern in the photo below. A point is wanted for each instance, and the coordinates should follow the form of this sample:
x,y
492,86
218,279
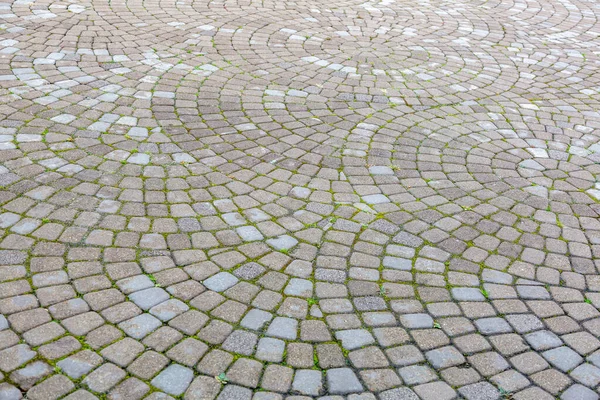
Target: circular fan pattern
x,y
264,200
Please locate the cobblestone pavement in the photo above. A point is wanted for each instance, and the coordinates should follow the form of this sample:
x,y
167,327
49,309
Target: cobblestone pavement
x,y
243,199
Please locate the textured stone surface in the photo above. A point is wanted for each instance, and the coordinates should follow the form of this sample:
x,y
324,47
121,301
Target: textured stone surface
x,y
342,381
174,379
269,200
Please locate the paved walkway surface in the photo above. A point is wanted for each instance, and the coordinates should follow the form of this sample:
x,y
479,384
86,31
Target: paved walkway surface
x,y
243,199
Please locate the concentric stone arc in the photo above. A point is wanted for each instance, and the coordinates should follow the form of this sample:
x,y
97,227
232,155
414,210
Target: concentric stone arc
x,y
338,200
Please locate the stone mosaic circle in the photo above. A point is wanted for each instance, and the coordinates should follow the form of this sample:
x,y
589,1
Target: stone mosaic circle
x,y
269,200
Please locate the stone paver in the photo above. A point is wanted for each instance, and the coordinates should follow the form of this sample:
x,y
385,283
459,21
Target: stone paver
x,y
174,379
354,200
